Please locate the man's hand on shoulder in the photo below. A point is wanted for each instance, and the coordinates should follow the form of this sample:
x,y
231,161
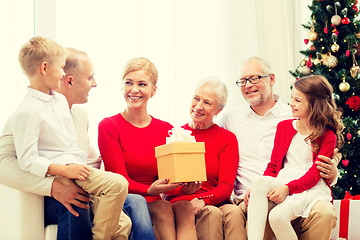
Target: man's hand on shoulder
x,y
67,193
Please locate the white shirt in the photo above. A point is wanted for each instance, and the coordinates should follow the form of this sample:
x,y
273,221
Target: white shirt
x,y
255,135
44,133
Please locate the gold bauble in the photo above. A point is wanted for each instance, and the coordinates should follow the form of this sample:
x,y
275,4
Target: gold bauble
x,y
317,61
305,70
312,36
358,132
335,47
336,20
331,61
354,70
344,86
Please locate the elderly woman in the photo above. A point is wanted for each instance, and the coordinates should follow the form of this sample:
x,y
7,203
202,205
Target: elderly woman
x,y
221,157
127,144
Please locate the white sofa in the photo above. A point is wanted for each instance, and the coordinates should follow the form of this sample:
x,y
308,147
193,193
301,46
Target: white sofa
x,y
22,214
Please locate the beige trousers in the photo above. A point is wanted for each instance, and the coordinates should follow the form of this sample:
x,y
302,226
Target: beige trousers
x,y
108,191
213,223
317,226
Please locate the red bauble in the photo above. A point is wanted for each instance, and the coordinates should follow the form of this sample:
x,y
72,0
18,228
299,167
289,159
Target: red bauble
x,y
345,162
312,48
355,7
345,20
348,136
326,30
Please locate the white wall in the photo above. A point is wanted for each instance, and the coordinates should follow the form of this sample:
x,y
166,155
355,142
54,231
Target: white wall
x,y
187,40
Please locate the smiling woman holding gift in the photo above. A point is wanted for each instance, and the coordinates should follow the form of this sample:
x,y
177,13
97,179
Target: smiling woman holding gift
x,y
127,144
221,158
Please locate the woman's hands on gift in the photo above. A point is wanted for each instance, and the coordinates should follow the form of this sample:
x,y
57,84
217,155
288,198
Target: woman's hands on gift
x,y
197,205
161,186
278,194
191,187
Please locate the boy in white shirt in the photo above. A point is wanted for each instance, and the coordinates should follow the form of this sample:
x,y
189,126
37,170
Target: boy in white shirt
x,y
45,136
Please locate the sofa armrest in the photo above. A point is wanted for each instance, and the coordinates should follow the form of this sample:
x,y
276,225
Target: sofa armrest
x,y
22,215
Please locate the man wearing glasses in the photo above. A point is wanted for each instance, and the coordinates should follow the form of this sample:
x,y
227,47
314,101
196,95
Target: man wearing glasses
x,y
254,125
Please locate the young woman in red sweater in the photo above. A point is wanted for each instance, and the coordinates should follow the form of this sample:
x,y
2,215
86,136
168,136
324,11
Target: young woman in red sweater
x,y
291,179
127,144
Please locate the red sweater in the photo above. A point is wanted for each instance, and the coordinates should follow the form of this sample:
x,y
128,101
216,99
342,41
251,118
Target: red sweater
x,y
130,151
284,134
221,160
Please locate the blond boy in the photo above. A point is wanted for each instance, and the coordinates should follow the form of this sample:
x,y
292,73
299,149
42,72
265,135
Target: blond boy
x,y
45,136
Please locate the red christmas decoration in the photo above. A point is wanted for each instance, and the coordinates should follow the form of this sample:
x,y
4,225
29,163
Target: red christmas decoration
x,y
353,102
306,41
335,30
345,20
326,30
312,48
345,162
347,53
309,63
348,136
355,7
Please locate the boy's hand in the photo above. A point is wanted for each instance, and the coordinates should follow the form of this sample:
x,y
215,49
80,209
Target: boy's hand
x,y
278,194
191,187
77,171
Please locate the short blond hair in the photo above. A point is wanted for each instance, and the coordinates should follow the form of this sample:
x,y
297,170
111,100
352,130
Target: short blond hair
x,y
37,50
144,64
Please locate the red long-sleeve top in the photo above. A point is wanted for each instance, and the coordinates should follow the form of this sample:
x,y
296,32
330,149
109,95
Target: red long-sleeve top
x,y
130,151
284,134
221,160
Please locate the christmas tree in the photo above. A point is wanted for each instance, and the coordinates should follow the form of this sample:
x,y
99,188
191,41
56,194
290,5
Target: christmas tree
x,y
334,52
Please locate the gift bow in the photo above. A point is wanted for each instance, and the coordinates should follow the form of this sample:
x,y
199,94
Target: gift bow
x,y
180,135
344,214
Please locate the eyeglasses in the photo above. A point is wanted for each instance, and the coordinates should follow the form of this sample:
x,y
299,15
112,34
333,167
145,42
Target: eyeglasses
x,y
254,79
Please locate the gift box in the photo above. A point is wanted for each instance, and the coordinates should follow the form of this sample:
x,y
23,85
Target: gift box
x,y
181,161
347,226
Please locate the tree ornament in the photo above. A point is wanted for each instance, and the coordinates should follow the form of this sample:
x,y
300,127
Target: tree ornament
x,y
345,162
308,62
348,136
326,30
353,102
344,86
354,70
355,7
312,35
329,8
303,63
347,53
335,47
317,61
330,61
312,48
345,20
336,20
306,41
305,70
358,132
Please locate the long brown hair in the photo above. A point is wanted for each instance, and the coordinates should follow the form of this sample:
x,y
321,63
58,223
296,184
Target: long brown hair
x,y
322,108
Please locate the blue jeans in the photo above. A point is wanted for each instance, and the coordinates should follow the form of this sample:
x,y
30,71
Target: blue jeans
x,y
136,208
69,226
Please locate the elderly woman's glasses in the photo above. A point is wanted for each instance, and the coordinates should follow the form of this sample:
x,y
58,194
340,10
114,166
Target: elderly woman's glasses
x,y
254,79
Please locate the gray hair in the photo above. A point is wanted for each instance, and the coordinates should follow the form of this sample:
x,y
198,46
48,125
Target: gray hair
x,y
265,66
218,87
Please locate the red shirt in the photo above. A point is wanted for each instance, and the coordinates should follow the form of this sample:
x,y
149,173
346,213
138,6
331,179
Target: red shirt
x,y
284,134
130,151
221,160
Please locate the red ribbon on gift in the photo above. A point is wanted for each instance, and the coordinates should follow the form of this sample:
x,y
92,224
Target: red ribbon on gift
x,y
344,214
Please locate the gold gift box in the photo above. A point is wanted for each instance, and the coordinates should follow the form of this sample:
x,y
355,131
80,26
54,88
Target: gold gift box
x,y
181,161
